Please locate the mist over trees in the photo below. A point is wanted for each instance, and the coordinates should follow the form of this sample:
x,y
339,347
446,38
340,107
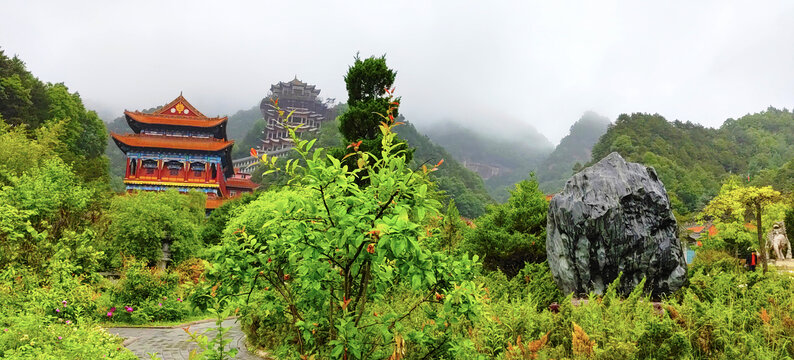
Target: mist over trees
x,y
575,148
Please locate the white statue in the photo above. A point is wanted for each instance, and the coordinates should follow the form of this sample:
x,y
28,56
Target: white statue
x,y
778,242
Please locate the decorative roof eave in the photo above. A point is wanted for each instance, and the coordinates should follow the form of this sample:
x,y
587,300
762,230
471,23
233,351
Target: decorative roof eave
x,y
174,120
171,142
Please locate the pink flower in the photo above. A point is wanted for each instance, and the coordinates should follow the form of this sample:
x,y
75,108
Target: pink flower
x,y
68,322
6,330
64,302
59,338
113,309
110,313
57,310
161,304
128,308
179,299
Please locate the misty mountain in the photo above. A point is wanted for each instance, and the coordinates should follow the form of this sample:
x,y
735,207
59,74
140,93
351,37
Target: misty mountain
x,y
466,187
501,158
574,148
242,122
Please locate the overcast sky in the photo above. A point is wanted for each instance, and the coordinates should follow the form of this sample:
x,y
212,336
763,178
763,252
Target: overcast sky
x,y
484,63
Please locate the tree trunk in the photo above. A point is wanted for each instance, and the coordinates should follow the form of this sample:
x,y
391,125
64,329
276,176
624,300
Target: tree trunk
x,y
761,242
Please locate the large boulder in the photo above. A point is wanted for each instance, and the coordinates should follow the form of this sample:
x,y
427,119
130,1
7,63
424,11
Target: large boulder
x,y
614,217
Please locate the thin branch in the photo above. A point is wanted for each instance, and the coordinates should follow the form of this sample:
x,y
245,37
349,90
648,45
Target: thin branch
x,y
327,210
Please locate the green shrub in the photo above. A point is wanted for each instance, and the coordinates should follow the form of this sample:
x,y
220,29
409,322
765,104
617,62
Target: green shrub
x,y
510,234
713,262
144,295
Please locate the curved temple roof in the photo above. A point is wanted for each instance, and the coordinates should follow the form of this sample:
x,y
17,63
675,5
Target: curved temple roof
x,y
171,142
175,120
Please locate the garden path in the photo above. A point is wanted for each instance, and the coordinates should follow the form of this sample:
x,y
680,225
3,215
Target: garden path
x,y
173,343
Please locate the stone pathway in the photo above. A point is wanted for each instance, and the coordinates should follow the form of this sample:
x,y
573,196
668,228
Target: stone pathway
x,y
173,343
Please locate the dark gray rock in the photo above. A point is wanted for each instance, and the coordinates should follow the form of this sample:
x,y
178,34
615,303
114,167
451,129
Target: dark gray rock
x,y
614,217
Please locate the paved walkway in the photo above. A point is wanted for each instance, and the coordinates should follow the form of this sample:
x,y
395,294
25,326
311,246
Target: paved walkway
x,y
173,343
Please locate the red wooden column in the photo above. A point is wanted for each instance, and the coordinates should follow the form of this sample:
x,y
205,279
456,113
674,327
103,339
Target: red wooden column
x,y
127,170
186,169
159,170
206,172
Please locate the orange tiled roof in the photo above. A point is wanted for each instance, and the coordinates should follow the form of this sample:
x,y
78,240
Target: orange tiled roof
x,y
241,183
750,226
175,119
172,142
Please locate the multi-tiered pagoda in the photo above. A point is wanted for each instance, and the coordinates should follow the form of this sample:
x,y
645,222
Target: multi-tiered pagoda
x,y
298,97
177,147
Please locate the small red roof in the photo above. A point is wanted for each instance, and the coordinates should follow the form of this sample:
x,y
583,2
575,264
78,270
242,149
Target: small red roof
x,y
241,183
193,121
172,142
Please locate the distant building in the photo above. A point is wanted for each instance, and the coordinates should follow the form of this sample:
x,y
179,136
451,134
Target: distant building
x,y
307,108
177,147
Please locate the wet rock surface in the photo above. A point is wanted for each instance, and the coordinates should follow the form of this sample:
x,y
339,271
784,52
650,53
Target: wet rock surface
x,y
611,218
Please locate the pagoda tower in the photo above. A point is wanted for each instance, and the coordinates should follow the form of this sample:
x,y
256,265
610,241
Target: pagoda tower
x,y
307,108
177,147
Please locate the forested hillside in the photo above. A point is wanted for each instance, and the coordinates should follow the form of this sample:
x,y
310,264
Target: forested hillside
x,y
692,160
575,148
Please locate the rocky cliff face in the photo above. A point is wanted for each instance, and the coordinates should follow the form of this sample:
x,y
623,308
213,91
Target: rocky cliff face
x,y
611,218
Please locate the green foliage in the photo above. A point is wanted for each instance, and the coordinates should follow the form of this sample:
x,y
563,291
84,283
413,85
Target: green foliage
x,y
212,229
510,234
328,249
52,318
366,81
141,222
38,207
714,262
23,98
736,203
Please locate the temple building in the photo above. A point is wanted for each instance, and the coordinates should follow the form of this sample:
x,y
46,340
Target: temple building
x,y
308,109
177,147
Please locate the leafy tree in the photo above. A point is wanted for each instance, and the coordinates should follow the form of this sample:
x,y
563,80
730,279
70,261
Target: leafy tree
x,y
367,82
510,234
141,222
328,248
732,203
27,102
